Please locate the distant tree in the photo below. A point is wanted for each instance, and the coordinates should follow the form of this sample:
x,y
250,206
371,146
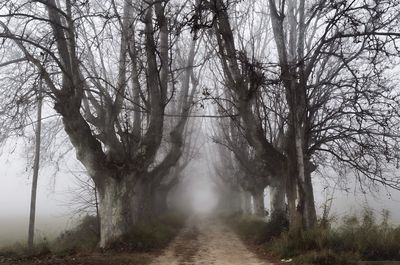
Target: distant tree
x,y
246,171
168,182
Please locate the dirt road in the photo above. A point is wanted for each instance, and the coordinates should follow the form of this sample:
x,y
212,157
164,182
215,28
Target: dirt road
x,y
207,241
203,241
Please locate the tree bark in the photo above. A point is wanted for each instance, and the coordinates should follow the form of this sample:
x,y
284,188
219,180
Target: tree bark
x,y
310,205
295,219
278,204
123,202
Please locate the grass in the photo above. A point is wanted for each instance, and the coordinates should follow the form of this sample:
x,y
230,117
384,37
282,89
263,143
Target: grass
x,y
257,230
85,237
152,236
40,249
82,238
355,238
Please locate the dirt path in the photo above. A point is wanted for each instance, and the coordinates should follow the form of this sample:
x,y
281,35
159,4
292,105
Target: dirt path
x,y
203,241
207,242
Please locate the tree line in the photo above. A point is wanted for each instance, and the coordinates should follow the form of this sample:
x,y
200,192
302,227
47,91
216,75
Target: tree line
x,y
297,86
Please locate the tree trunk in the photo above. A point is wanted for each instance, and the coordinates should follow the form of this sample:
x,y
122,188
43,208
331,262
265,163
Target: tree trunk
x,y
38,131
258,199
245,202
310,203
235,200
159,198
295,218
301,179
229,201
278,204
122,203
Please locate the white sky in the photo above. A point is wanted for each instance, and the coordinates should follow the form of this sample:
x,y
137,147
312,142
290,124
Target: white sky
x,y
53,214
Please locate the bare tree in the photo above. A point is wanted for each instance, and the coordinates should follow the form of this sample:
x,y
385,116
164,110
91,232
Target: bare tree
x,y
320,47
312,51
112,106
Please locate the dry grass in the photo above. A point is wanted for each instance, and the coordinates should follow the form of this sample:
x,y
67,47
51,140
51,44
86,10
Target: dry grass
x,y
356,238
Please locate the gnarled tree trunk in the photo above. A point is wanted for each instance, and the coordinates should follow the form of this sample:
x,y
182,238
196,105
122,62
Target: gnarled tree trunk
x,y
122,203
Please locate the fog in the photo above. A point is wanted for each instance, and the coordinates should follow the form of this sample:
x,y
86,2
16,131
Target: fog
x,y
53,212
196,191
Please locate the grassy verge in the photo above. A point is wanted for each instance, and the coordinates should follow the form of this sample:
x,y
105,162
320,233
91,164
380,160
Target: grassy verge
x,y
152,236
356,238
83,241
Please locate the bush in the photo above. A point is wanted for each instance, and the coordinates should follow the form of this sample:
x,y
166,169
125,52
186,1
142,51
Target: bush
x,y
80,239
355,238
155,235
258,230
85,238
328,257
369,239
316,246
373,240
175,220
21,250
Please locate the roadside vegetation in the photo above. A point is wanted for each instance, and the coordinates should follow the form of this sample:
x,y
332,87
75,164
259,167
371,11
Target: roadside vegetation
x,y
354,239
83,240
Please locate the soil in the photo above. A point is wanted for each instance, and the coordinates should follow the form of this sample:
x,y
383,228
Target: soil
x,y
203,241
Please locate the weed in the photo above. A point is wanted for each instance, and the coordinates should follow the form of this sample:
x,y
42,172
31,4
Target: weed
x,y
328,257
355,238
21,250
258,230
80,239
154,235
